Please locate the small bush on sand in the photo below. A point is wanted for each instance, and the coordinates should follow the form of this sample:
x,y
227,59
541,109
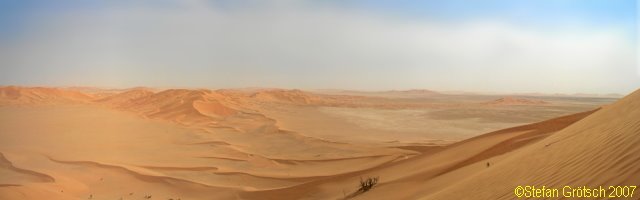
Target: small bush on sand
x,y
367,184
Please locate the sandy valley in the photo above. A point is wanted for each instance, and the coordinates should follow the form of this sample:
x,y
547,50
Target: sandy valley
x,y
79,143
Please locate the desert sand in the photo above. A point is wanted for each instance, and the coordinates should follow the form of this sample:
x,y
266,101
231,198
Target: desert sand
x,y
145,143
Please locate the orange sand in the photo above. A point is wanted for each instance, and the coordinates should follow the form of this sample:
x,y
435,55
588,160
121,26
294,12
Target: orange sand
x,y
58,143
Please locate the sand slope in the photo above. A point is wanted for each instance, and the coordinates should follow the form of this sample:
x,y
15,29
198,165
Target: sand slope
x,y
600,150
436,168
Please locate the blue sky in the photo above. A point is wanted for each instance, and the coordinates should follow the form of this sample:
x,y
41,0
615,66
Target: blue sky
x,y
548,46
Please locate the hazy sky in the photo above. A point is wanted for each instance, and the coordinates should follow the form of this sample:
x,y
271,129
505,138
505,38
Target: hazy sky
x,y
549,46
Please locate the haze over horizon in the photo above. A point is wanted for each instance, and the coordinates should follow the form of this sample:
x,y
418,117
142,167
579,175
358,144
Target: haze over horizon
x,y
496,46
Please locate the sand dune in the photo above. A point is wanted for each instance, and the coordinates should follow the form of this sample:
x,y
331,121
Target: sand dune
x,y
116,142
125,97
299,97
14,175
594,151
415,91
390,93
600,150
183,106
443,162
352,100
516,101
269,144
286,96
40,95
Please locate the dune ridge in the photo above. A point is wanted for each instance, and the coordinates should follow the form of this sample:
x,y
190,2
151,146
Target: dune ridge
x,y
30,175
181,105
139,175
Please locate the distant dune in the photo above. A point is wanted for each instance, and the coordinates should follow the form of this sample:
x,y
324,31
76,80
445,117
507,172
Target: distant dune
x,y
125,97
40,95
180,105
286,96
387,93
415,92
516,101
